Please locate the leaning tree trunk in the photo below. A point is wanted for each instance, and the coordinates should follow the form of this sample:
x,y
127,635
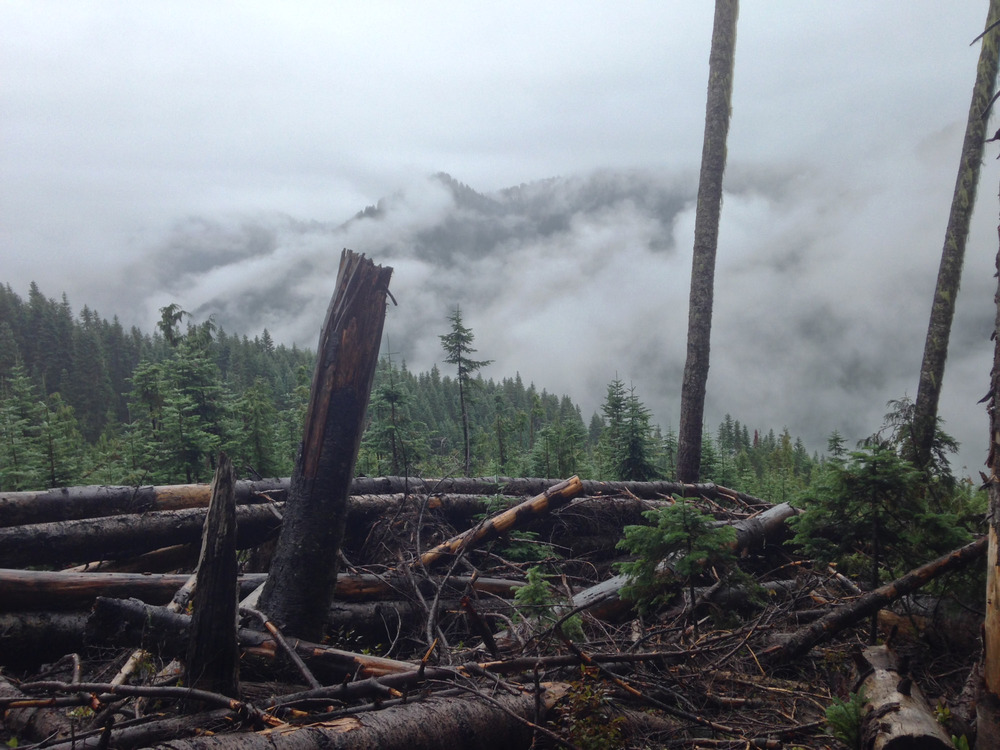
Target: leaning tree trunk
x,y
953,253
303,575
706,238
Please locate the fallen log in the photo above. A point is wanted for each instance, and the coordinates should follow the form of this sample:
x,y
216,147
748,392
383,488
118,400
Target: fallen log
x,y
41,590
130,623
30,638
801,641
504,721
121,538
896,714
97,501
604,600
64,542
545,502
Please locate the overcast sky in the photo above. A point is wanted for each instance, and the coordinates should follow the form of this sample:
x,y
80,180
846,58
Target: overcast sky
x,y
122,121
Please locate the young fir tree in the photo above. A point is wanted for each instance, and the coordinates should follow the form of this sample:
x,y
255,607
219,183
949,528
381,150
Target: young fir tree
x,y
457,345
627,449
21,456
60,442
685,538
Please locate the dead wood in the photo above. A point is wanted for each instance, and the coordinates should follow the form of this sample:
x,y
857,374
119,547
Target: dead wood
x,y
896,714
42,590
212,659
846,615
64,542
303,575
30,638
471,722
545,502
604,599
96,501
131,623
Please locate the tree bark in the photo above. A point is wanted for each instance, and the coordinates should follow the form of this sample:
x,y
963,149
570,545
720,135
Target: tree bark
x,y
41,590
461,723
26,590
213,655
706,238
116,537
868,604
99,501
95,501
550,500
303,575
131,623
988,703
953,254
30,638
896,715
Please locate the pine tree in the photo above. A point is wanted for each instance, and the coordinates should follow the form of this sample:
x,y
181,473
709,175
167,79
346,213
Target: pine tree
x,y
457,345
21,457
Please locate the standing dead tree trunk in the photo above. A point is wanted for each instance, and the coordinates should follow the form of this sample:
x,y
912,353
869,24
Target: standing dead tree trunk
x,y
925,407
706,238
300,585
213,654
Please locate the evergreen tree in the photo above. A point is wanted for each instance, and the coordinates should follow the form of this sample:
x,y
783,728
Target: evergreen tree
x,y
21,458
60,443
457,345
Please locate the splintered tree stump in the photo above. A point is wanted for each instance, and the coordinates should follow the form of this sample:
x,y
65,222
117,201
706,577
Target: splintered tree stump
x,y
213,653
303,575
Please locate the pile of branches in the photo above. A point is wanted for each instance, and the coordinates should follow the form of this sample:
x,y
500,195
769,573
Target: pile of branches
x,y
428,642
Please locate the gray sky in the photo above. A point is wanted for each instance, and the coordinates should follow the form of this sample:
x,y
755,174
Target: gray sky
x,y
128,128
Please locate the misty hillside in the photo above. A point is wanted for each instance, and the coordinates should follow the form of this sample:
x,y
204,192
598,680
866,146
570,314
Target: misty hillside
x,y
576,280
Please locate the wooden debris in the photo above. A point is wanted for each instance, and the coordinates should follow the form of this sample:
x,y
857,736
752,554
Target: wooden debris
x,y
212,657
896,715
303,575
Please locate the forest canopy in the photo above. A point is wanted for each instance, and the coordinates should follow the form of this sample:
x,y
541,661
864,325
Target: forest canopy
x,y
83,400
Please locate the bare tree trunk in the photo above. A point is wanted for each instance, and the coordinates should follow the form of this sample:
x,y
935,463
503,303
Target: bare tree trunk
x,y
303,575
953,254
547,501
706,238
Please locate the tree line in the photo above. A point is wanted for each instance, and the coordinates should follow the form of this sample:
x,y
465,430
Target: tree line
x,y
84,400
